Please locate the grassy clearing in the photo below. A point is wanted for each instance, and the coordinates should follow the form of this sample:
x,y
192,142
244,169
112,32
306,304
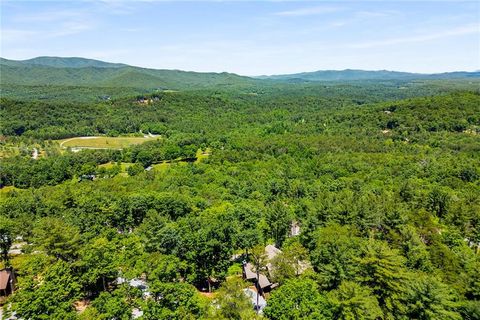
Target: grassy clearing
x,y
5,190
104,142
203,154
158,167
123,165
22,149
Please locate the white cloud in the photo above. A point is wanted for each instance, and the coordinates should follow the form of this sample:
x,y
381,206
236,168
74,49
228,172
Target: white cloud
x,y
47,24
70,28
11,35
116,7
375,14
28,35
307,11
47,16
362,16
463,30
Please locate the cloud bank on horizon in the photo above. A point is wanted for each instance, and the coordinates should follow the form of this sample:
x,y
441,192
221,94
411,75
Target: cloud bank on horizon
x,y
249,38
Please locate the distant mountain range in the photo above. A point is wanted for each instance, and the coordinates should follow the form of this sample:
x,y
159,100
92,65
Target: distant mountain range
x,y
350,74
95,73
58,62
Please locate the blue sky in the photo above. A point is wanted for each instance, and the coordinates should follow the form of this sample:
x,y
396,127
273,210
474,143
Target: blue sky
x,y
249,38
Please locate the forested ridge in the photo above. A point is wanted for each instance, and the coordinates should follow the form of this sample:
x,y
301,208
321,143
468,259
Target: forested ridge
x,y
382,177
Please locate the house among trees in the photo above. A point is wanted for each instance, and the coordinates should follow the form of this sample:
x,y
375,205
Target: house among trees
x,y
144,100
84,177
138,283
294,228
263,284
7,282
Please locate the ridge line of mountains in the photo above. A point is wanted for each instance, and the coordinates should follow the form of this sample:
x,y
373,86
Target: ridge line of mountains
x,y
89,72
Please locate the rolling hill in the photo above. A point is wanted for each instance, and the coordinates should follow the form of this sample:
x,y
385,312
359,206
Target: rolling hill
x,y
58,62
58,71
352,75
55,71
84,80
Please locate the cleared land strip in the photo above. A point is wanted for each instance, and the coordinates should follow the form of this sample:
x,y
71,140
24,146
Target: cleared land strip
x,y
101,142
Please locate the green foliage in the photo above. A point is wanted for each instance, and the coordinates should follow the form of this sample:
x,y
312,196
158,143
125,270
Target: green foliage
x,y
97,261
112,306
231,302
134,170
173,301
48,296
57,238
353,301
278,220
385,190
297,299
335,256
165,268
431,299
382,269
6,239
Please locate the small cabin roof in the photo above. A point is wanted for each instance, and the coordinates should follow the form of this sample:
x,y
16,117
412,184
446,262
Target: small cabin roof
x,y
272,251
263,281
4,279
249,274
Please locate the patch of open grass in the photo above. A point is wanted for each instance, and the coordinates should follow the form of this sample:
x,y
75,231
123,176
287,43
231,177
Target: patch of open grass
x,y
159,167
7,189
203,154
123,165
104,142
162,166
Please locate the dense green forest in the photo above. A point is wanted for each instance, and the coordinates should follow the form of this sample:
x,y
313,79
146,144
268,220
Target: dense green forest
x,y
383,178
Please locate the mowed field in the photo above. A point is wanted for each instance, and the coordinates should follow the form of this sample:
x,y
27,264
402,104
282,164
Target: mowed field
x,y
104,142
158,167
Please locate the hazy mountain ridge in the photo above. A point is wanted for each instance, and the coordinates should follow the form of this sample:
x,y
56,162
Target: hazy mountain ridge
x,y
352,74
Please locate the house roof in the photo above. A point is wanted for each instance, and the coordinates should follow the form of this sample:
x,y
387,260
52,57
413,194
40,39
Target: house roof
x,y
4,278
249,274
263,281
272,251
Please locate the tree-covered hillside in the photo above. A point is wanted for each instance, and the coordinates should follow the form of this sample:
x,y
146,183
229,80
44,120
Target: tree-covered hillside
x,y
382,182
92,73
86,80
72,62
